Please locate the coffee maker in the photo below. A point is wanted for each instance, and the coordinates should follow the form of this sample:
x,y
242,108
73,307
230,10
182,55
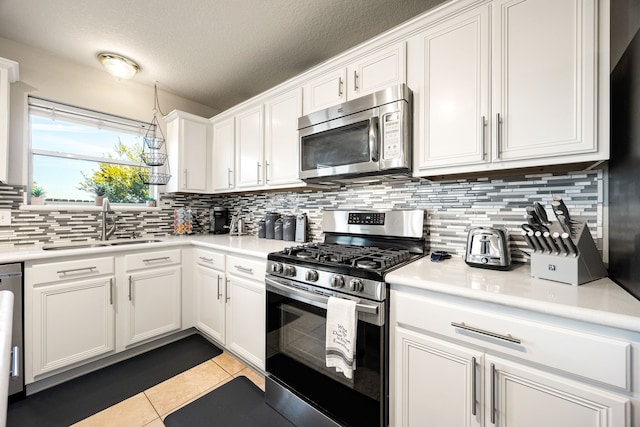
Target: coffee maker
x,y
218,220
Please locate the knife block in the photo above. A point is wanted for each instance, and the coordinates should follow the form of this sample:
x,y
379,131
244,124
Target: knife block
x,y
574,270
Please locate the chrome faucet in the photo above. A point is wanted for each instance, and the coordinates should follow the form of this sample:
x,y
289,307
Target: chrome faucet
x,y
106,210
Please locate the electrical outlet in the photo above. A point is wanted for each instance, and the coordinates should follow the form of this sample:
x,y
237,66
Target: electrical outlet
x,y
5,217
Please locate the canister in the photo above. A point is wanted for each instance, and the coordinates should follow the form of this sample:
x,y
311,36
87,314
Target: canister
x,y
262,229
270,219
289,228
277,229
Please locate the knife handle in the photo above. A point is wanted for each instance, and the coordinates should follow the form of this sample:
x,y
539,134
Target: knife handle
x,y
573,250
561,247
534,241
543,242
550,242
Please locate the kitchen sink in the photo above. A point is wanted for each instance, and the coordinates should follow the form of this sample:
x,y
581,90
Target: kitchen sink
x,y
98,244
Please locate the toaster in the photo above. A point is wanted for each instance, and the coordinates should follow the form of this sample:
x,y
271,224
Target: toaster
x,y
488,248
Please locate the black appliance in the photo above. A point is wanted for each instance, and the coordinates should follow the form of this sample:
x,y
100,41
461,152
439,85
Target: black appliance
x,y
359,248
219,220
11,280
624,187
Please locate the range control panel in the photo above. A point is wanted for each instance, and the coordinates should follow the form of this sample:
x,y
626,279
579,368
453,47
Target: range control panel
x,y
366,218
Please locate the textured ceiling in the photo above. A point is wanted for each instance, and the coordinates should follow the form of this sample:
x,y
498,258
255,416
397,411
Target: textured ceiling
x,y
215,52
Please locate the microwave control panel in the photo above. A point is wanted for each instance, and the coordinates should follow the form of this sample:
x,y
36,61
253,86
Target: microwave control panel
x,y
392,137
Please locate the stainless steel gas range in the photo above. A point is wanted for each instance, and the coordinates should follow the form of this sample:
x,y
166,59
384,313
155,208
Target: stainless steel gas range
x,y
359,249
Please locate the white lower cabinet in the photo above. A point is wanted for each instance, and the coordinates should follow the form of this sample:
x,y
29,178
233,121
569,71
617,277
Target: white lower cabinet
x,y
69,313
452,366
230,302
154,297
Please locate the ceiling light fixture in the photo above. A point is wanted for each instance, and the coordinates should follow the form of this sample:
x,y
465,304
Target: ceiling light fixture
x,y
118,66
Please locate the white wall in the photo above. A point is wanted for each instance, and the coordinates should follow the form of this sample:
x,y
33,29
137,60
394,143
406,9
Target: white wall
x,y
50,77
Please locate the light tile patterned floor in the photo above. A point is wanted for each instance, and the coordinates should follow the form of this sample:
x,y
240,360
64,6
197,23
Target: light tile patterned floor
x,y
149,408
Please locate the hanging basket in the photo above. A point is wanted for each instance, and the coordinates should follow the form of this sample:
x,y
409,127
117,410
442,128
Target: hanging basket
x,y
153,159
153,142
150,178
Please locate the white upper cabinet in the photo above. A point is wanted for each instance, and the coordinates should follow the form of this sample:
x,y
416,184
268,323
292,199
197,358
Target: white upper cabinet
x,y
250,147
188,151
377,70
223,155
539,57
8,75
281,138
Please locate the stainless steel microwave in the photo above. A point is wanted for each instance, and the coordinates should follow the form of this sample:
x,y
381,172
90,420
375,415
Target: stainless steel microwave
x,y
370,135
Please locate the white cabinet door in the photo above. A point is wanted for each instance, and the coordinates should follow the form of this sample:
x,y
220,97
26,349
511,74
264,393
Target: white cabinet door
x,y
188,151
377,71
154,303
210,302
250,147
246,319
8,74
281,139
519,396
72,322
450,79
223,155
326,90
544,78
437,383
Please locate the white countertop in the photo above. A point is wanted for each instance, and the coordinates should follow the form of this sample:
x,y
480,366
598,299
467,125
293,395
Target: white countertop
x,y
247,245
602,301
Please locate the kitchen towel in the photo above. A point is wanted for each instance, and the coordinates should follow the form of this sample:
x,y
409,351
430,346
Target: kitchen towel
x,y
342,322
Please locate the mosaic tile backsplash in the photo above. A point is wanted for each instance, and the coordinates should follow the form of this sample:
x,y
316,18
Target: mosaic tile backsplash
x,y
451,207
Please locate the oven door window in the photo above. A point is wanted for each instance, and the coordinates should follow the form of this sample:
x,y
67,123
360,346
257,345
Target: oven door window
x,y
296,356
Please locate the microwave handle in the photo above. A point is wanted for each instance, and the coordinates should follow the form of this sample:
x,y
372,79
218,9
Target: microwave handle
x,y
374,133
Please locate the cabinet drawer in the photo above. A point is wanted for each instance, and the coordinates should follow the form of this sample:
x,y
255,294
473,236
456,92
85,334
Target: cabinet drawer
x,y
69,270
250,268
210,259
152,259
591,356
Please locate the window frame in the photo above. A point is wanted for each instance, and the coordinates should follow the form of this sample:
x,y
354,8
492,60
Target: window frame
x,y
71,114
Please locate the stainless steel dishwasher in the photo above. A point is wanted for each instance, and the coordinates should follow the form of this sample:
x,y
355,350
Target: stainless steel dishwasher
x,y
11,280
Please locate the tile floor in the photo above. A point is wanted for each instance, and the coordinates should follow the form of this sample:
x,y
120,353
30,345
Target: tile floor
x,y
149,408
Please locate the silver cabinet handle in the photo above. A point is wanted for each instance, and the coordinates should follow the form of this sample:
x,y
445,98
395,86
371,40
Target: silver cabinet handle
x,y
219,294
267,169
229,171
206,259
258,173
483,130
244,269
226,290
130,289
111,291
493,393
487,333
499,134
77,270
164,258
473,386
15,362
184,184
340,83
355,80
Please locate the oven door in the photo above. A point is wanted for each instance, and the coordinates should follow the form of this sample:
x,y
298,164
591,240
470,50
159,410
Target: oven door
x,y
296,323
342,146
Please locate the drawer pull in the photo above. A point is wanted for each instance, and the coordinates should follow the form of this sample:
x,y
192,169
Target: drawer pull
x,y
206,259
493,393
110,291
130,289
473,386
164,258
244,269
77,270
226,290
219,294
487,333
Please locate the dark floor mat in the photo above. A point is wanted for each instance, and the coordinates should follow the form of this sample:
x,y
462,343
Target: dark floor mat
x,y
238,403
82,397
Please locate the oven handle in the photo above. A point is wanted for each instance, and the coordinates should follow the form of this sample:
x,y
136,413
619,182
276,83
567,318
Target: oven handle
x,y
316,300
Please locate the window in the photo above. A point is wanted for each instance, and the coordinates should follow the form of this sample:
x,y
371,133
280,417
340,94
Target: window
x,y
75,151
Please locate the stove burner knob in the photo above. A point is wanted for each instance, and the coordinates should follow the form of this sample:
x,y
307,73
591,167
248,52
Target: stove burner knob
x,y
276,267
337,281
355,285
311,276
289,270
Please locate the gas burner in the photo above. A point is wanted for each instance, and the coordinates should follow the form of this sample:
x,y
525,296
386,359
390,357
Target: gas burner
x,y
367,264
305,255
